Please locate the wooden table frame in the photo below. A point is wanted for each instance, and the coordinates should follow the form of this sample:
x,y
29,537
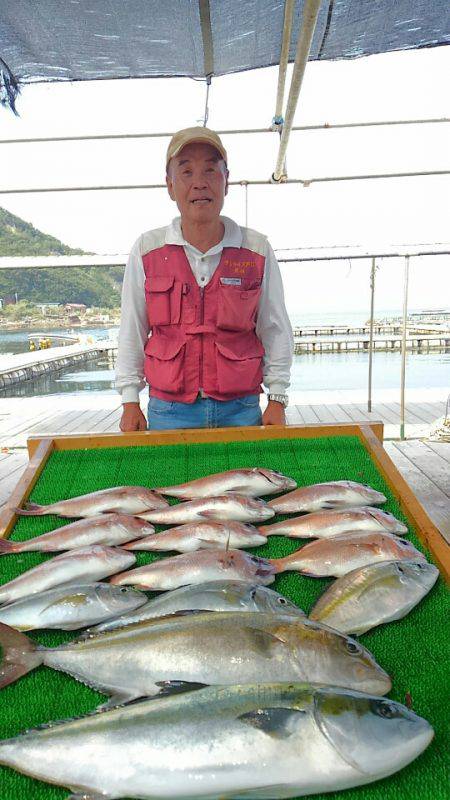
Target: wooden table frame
x,y
370,435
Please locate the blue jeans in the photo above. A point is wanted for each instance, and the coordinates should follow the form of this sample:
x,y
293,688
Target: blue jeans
x,y
204,413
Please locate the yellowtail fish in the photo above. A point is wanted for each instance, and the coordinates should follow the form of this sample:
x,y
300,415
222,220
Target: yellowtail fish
x,y
200,648
374,594
69,607
86,564
325,524
254,741
341,554
252,482
224,507
213,596
199,567
119,499
107,529
335,494
200,536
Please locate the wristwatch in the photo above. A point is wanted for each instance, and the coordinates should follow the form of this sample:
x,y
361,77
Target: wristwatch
x,y
279,398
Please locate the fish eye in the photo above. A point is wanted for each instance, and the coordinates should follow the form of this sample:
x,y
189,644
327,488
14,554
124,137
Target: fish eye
x,y
403,541
282,601
400,568
123,590
385,710
353,648
253,594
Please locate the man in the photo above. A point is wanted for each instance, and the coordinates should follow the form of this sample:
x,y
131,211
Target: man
x,y
210,294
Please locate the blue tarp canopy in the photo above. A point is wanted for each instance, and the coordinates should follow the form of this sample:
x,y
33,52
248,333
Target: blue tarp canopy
x,y
71,40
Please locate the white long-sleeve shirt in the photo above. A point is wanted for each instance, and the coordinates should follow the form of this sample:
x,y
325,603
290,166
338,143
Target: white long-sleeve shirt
x,y
273,327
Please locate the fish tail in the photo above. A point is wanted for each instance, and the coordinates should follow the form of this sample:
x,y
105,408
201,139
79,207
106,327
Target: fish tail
x,y
8,547
31,510
279,564
19,655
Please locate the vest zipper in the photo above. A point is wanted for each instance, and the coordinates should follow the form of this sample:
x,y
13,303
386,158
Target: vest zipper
x,y
202,318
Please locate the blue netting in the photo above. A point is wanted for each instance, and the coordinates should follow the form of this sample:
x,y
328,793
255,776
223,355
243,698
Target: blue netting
x,y
50,40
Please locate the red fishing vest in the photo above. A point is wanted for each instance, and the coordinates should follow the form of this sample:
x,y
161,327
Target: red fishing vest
x,y
203,337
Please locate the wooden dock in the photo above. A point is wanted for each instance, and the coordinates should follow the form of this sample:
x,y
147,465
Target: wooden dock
x,y
418,342
424,465
16,369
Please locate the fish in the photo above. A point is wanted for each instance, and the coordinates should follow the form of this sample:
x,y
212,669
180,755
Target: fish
x,y
275,740
341,554
200,566
119,499
374,594
251,482
223,507
86,564
201,535
335,494
213,596
182,650
107,529
67,608
332,522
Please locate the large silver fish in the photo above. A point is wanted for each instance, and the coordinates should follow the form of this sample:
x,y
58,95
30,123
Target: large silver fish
x,y
86,564
343,553
224,507
252,482
67,608
372,595
248,741
120,499
107,529
208,648
199,567
214,596
332,522
335,494
200,536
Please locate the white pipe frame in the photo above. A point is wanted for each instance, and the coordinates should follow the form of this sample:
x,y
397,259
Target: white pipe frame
x,y
310,14
277,122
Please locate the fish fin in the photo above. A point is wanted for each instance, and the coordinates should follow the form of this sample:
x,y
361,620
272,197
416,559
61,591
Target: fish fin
x,y
117,700
280,723
264,641
31,510
178,687
7,547
208,514
19,655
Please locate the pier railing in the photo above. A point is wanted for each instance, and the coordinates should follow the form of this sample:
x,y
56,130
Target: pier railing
x,y
302,254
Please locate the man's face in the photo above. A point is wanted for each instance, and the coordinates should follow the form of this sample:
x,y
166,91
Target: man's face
x,y
197,179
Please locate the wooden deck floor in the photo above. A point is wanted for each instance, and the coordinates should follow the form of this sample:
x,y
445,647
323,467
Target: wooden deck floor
x,y
424,465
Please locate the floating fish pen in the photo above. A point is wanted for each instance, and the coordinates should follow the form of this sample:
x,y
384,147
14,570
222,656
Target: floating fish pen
x,y
47,365
412,650
416,343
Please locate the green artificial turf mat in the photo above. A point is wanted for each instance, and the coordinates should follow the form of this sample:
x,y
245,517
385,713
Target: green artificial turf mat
x,y
414,651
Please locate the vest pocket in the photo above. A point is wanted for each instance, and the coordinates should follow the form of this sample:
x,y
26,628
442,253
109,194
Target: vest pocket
x,y
163,295
236,308
238,373
164,363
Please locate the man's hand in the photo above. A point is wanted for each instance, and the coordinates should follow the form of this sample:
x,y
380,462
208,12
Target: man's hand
x,y
274,414
132,418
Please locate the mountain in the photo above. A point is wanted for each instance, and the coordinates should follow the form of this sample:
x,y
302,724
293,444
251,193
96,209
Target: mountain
x,y
93,286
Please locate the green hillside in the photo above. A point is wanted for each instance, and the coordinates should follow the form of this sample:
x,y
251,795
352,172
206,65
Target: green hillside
x,y
94,286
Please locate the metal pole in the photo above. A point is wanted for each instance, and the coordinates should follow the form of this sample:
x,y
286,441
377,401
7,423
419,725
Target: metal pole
x,y
372,301
403,373
284,57
310,14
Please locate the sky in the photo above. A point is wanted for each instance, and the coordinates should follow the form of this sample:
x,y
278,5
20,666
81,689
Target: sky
x,y
370,214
